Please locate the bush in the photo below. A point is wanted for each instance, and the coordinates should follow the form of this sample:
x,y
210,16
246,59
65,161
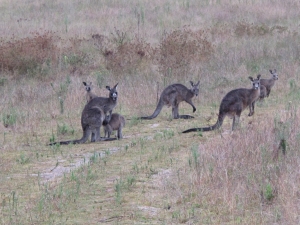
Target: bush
x,y
30,55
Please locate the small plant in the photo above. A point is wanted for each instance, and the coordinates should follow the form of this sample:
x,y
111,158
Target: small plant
x,y
64,129
2,81
94,158
62,92
134,121
23,159
194,159
52,138
130,181
118,189
9,119
269,193
167,134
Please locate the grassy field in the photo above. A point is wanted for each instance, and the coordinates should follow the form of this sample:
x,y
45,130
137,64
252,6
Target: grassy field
x,y
156,174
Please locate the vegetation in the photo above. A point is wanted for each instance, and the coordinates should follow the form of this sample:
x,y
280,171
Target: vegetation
x,y
156,174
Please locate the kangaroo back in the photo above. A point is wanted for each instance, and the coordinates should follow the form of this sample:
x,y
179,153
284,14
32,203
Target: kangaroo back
x,y
232,105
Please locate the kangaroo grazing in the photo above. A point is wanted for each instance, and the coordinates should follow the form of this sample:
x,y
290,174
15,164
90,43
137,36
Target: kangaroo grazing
x,y
89,94
269,83
172,96
92,117
233,104
116,122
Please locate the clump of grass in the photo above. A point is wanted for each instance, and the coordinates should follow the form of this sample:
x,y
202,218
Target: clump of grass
x,y
64,129
10,119
62,92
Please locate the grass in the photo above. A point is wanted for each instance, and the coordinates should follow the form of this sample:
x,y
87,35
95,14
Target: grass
x,y
156,174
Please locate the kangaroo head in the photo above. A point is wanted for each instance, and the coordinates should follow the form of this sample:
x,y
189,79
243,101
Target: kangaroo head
x,y
88,87
255,82
195,88
113,94
274,74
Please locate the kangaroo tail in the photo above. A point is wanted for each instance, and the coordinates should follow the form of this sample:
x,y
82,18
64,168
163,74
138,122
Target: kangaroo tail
x,y
156,112
67,142
217,125
79,141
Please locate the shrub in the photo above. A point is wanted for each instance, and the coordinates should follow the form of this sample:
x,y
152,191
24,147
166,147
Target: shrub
x,y
30,55
179,49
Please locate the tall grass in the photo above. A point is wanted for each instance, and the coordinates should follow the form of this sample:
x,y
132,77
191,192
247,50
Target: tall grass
x,y
48,48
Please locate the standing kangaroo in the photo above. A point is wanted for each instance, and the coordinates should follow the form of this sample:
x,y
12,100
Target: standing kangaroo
x,y
92,117
172,96
233,104
263,92
116,122
269,83
89,93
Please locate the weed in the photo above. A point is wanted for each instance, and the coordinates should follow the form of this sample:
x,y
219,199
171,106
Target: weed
x,y
269,192
2,81
167,134
118,190
9,119
194,159
62,92
52,138
64,129
130,181
23,159
134,121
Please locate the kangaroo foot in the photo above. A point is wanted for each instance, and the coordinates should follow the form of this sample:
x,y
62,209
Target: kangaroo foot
x,y
251,114
185,117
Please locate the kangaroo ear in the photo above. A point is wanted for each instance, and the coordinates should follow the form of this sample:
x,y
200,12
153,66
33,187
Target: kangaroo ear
x,y
198,83
251,78
108,88
258,76
271,71
192,83
116,86
84,83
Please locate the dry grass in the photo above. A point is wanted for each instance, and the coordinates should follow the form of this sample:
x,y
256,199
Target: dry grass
x,y
155,175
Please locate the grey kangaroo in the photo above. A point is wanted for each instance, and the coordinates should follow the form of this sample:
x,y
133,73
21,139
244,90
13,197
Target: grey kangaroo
x,y
89,93
263,92
172,96
116,122
92,117
233,104
269,83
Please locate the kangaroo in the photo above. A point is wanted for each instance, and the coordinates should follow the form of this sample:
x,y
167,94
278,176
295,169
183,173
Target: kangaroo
x,y
89,93
269,83
92,117
117,122
172,96
263,92
233,104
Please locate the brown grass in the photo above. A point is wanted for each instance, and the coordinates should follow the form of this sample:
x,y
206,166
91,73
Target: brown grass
x,y
155,175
